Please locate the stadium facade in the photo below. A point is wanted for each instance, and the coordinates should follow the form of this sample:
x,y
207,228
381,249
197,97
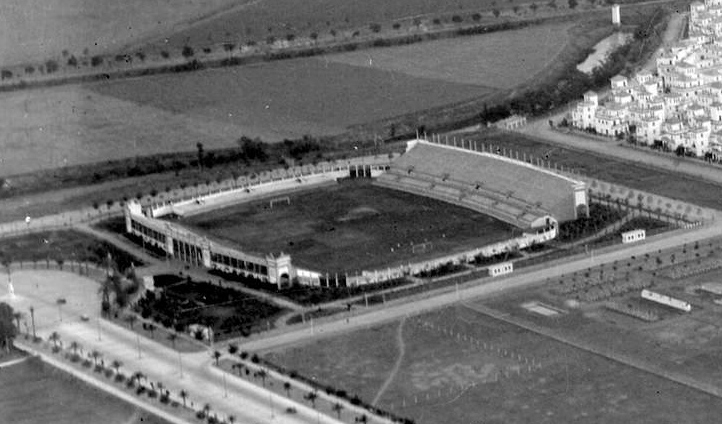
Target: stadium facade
x,y
529,197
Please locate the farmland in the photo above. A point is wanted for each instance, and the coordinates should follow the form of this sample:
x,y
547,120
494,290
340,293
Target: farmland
x,y
352,226
64,126
70,125
36,31
257,19
293,97
457,365
34,392
501,60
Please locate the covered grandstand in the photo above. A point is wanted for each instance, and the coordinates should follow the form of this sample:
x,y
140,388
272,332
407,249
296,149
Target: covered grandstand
x,y
513,191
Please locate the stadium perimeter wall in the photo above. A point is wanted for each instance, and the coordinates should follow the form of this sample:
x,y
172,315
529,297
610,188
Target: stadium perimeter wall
x,y
507,246
198,250
638,199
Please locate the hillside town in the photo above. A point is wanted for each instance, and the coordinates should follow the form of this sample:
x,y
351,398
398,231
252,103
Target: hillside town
x,y
678,107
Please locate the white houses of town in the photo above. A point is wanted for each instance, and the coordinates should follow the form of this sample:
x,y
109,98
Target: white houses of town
x,y
678,105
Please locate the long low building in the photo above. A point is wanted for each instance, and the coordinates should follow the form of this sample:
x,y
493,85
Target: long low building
x,y
519,193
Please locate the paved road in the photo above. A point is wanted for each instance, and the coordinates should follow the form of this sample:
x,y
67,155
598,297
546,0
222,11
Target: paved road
x,y
479,288
226,394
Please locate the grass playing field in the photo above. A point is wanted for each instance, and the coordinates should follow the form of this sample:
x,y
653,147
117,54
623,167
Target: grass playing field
x,y
459,366
501,60
352,226
33,392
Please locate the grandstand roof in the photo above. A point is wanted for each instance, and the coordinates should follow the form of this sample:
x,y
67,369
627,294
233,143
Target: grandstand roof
x,y
540,189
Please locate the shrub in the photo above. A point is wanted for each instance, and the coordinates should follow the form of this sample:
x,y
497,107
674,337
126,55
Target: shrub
x,y
476,17
5,74
140,390
152,393
187,52
87,363
98,368
119,378
51,66
456,19
375,27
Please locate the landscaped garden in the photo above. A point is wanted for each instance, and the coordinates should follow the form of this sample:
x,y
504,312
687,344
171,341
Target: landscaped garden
x,y
180,303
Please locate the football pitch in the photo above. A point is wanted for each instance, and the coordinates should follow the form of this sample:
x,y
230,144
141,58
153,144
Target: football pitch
x,y
352,226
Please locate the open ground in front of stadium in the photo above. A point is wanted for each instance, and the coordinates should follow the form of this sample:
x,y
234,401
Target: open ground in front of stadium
x,y
352,226
460,365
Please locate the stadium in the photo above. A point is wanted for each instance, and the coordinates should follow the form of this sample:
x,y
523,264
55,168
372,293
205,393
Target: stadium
x,y
365,220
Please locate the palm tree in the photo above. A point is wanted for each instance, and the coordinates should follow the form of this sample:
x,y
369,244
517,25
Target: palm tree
x,y
337,407
117,364
172,337
95,354
207,409
262,374
239,367
132,318
183,394
17,315
311,397
232,348
75,347
55,338
217,356
137,376
151,328
287,388
231,419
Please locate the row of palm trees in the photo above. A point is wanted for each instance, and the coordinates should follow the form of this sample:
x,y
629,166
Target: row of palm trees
x,y
261,373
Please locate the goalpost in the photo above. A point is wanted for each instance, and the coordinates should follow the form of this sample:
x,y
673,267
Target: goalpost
x,y
284,199
421,247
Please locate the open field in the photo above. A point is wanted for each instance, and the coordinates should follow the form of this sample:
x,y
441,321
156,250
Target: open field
x,y
257,19
64,126
57,127
36,31
34,392
502,59
352,226
631,174
459,366
52,246
293,97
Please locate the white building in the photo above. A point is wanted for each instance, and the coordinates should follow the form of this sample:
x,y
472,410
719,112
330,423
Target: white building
x,y
677,104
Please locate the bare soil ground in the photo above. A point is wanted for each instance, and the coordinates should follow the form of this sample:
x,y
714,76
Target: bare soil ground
x,y
459,365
